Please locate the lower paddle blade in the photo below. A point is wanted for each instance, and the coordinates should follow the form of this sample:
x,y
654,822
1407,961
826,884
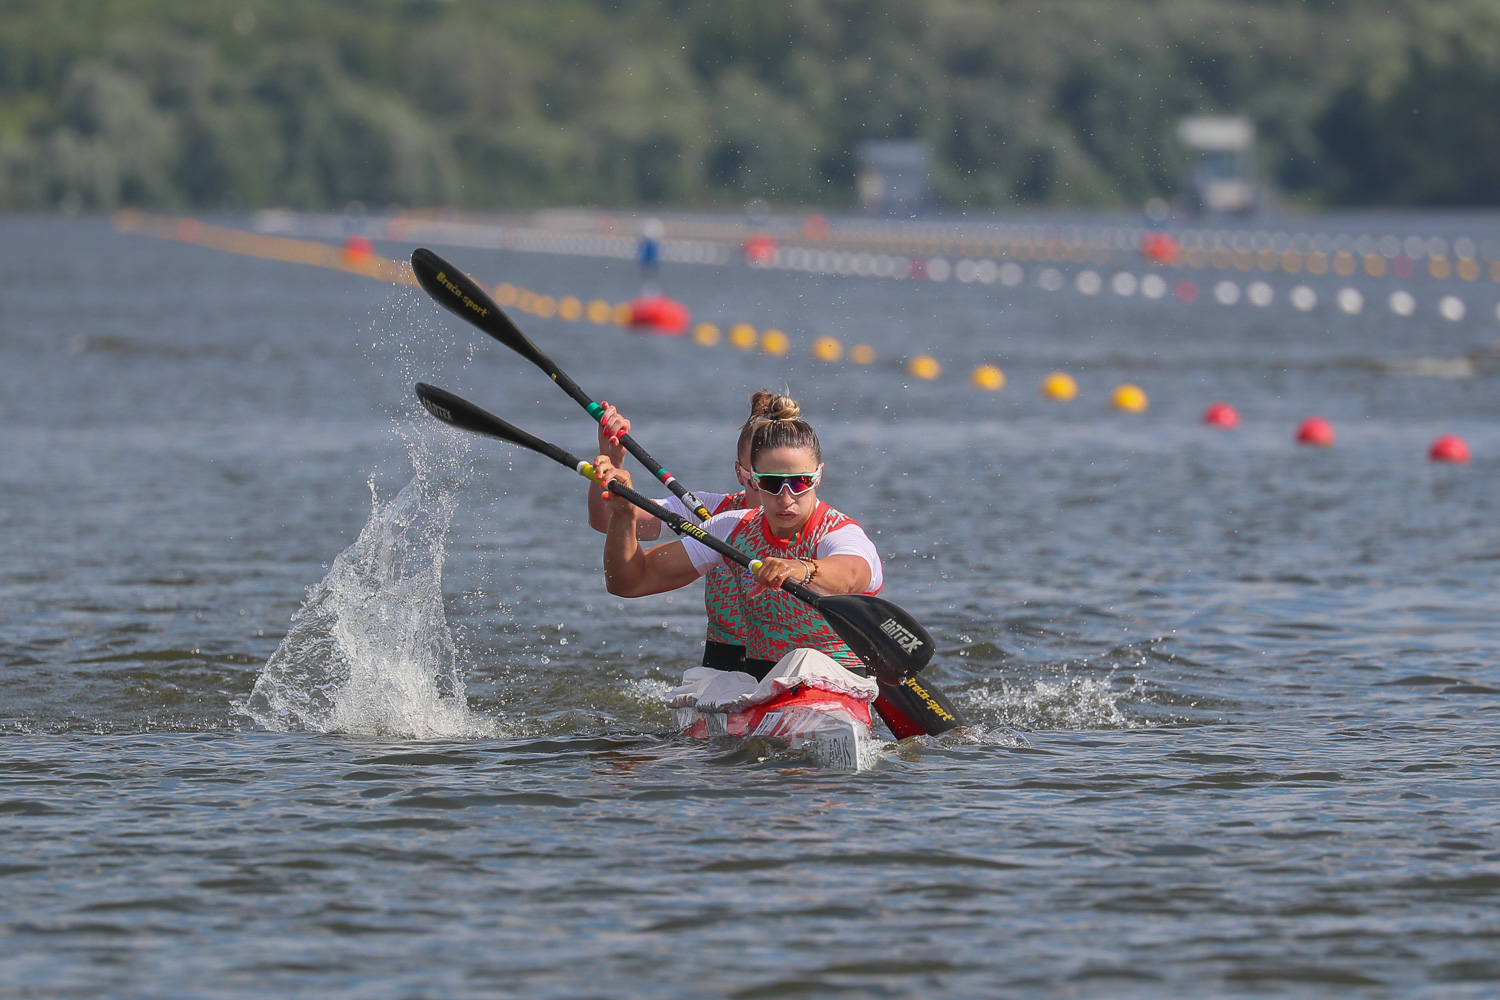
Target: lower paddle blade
x,y
458,412
914,708
891,642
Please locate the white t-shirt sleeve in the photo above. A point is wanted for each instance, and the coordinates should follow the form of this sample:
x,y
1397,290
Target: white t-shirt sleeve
x,y
851,540
703,558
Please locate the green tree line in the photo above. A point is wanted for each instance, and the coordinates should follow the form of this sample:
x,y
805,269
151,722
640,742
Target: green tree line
x,y
509,103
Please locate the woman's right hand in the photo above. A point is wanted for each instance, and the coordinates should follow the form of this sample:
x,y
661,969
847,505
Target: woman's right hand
x,y
612,426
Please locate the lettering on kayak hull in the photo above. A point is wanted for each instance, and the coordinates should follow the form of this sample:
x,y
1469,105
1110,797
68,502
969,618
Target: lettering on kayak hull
x,y
833,729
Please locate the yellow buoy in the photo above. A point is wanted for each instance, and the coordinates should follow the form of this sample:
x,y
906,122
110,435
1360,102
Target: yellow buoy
x,y
706,334
544,306
988,377
622,313
742,336
827,349
862,354
569,308
506,294
600,312
774,343
1130,398
1059,386
924,366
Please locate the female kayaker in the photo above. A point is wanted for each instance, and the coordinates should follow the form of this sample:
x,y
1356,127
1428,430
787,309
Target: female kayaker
x,y
724,641
794,534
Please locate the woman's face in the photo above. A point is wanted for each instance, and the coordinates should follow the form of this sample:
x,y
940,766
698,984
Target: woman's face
x,y
786,514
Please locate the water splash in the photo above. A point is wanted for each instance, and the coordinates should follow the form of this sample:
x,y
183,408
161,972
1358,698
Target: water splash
x,y
979,734
371,651
1071,703
649,693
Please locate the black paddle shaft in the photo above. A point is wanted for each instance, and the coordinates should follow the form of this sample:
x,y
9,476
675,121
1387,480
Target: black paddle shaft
x,y
462,296
890,641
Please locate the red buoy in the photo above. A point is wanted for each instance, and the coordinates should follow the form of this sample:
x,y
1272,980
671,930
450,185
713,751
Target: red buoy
x,y
659,314
1315,431
760,250
358,251
1449,448
1159,248
1221,415
1187,290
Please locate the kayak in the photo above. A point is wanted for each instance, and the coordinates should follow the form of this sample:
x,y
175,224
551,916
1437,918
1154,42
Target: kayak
x,y
807,702
833,728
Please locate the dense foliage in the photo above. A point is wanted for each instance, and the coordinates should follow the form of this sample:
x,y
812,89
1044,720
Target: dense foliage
x,y
495,103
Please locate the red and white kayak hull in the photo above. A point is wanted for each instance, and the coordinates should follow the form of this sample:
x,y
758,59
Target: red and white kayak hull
x,y
833,727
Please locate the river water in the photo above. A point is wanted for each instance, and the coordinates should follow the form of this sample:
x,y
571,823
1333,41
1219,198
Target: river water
x,y
302,694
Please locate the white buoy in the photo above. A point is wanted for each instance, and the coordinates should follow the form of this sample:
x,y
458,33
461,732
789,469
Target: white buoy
x,y
1451,308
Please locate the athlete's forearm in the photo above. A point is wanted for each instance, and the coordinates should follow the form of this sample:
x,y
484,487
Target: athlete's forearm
x,y
839,575
598,511
624,559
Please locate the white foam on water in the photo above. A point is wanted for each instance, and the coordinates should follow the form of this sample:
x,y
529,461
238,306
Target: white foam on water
x,y
981,735
371,652
649,692
1071,703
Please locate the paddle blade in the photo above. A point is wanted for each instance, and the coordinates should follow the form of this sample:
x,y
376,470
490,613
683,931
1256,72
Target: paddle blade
x,y
915,707
891,642
456,411
461,295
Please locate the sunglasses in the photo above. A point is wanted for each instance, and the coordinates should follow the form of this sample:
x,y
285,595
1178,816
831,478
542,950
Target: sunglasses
x,y
772,483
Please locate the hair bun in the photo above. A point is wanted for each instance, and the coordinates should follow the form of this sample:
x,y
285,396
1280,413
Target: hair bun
x,y
772,406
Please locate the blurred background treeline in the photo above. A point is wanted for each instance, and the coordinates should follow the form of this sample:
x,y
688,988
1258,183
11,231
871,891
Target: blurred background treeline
x,y
501,103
